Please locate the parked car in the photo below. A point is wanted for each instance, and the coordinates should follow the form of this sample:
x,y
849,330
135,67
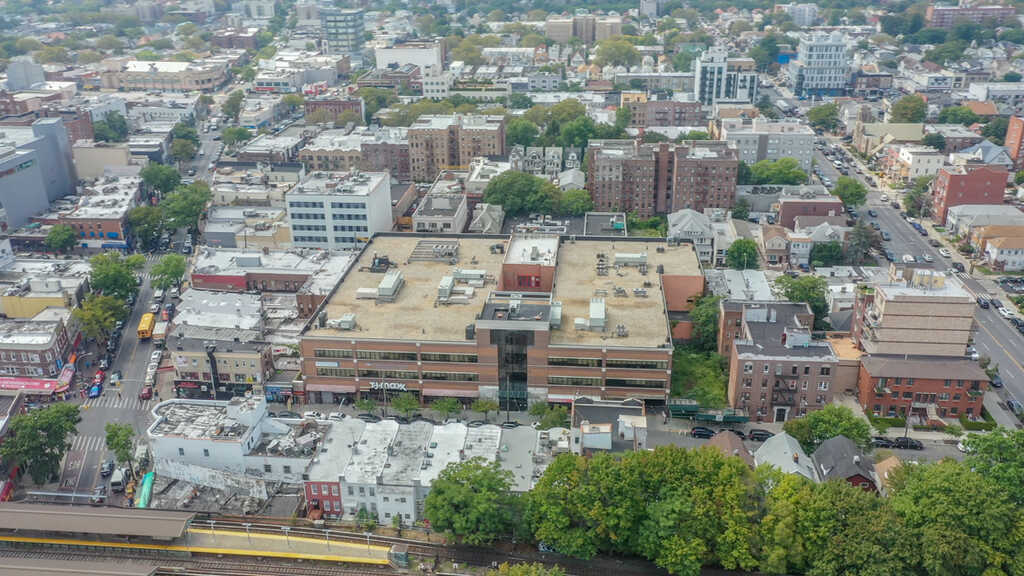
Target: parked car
x,y
100,377
885,235
996,381
881,442
99,495
156,356
1005,312
983,302
997,302
313,414
702,432
945,253
895,205
885,197
288,414
336,416
759,435
368,417
958,266
107,468
905,443
154,308
95,390
872,213
510,425
928,258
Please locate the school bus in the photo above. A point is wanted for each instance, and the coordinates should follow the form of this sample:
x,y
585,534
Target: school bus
x,y
146,326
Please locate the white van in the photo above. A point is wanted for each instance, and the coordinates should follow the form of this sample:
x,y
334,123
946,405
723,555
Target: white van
x,y
908,259
117,480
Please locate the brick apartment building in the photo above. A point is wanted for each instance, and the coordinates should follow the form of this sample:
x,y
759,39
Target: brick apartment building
x,y
35,347
776,370
807,203
519,320
644,114
1014,141
947,16
971,183
366,149
730,322
627,176
441,142
335,103
929,388
77,122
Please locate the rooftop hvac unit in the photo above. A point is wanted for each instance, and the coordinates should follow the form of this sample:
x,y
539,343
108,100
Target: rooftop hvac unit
x,y
597,314
346,322
464,275
581,324
556,315
624,259
444,289
390,285
366,293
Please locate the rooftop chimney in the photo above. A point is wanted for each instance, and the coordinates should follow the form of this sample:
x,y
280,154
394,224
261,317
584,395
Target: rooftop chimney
x,y
796,458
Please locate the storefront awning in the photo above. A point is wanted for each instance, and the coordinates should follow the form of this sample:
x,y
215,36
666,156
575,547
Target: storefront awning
x,y
336,388
31,385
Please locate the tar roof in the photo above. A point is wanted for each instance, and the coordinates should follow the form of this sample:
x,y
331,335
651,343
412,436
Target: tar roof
x,y
922,368
195,419
412,314
14,566
88,519
645,318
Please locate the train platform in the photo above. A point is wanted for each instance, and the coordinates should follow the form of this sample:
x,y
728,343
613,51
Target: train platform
x,y
284,545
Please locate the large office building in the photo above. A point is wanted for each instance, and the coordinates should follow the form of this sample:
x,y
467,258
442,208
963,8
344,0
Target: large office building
x,y
342,30
167,76
589,28
721,79
339,210
443,142
627,176
518,319
759,139
946,16
822,65
48,138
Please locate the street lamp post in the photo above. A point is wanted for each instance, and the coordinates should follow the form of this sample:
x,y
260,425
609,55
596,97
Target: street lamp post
x,y
286,530
247,534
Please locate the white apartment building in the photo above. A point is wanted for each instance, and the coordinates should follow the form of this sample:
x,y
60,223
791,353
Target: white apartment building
x,y
914,162
339,210
763,139
1006,253
437,82
422,54
803,15
822,65
720,79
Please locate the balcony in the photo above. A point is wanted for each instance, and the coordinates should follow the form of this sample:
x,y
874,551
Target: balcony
x,y
882,390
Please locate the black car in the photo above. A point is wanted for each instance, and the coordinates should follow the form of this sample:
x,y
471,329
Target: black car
x,y
759,435
368,417
895,205
983,302
881,442
996,303
905,443
872,213
474,423
287,414
702,432
510,425
107,468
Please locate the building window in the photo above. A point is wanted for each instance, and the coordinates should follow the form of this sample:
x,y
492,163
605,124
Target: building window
x,y
765,368
385,355
641,364
287,469
573,381
314,489
206,452
826,371
335,372
181,451
822,385
748,368
443,357
267,468
350,493
563,361
371,491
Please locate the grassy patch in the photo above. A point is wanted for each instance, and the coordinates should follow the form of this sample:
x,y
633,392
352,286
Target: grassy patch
x,y
988,422
699,376
882,424
984,270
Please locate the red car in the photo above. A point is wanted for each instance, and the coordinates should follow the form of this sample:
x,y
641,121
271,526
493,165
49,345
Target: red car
x,y
99,377
146,393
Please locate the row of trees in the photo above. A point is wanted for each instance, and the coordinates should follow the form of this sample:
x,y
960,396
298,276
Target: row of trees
x,y
522,193
407,404
686,509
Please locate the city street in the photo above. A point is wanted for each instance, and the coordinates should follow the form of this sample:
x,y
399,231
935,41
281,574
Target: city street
x,y
117,403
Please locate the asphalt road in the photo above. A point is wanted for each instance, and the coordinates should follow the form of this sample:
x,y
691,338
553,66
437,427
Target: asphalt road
x,y
119,404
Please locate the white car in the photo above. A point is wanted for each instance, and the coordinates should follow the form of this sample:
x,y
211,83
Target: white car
x,y
945,253
336,416
1006,312
908,259
928,258
156,355
885,197
152,367
313,414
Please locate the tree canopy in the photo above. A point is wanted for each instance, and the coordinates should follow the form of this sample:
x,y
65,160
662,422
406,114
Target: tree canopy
x,y
146,224
38,440
113,128
521,193
472,502
935,140
832,420
61,238
232,106
168,271
958,115
742,255
160,177
119,439
234,134
98,315
617,52
781,171
824,117
910,108
809,289
850,191
114,274
999,456
185,205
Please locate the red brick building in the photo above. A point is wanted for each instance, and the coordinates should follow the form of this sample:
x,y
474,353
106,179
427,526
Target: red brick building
x,y
930,388
666,113
1014,140
335,103
972,183
947,16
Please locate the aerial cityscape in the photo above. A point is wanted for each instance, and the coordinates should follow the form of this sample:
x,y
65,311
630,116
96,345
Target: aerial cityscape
x,y
531,288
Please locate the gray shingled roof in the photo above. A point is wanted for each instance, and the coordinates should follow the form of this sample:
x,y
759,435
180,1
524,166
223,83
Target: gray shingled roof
x,y
840,458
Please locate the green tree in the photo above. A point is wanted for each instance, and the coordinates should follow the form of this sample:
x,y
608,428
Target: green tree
x,y
146,224
183,150
831,421
824,117
744,175
27,44
910,108
617,52
935,140
185,205
61,238
114,274
534,569
234,134
484,405
1011,76
742,255
405,404
98,314
168,271
699,376
37,441
781,171
160,177
827,254
292,101
347,116
704,317
517,101
519,193
472,501
576,202
850,191
958,115
109,42
522,132
446,407
623,116
999,457
113,128
232,106
88,57
368,405
959,520
918,200
741,209
859,240
995,130
119,441
808,289
185,132
554,417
